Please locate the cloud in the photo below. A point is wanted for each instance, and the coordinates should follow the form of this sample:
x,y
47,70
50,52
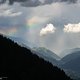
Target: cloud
x,y
69,1
2,1
15,14
33,3
72,28
9,13
47,30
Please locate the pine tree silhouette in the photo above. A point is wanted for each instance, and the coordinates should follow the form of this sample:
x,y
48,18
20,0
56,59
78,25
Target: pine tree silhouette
x,y
19,63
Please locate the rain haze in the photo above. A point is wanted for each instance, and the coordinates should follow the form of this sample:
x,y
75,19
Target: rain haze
x,y
53,24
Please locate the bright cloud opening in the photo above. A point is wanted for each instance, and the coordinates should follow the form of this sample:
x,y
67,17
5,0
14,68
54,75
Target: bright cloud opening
x,y
47,30
73,28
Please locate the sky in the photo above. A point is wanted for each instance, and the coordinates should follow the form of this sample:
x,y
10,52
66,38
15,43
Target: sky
x,y
53,24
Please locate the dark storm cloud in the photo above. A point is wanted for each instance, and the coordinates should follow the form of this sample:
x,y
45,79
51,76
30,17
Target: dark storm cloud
x,y
2,1
33,3
68,1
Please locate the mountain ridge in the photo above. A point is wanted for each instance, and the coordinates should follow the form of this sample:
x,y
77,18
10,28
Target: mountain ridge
x,y
19,63
68,51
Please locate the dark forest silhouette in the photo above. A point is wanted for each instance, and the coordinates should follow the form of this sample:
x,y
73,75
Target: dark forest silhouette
x,y
19,63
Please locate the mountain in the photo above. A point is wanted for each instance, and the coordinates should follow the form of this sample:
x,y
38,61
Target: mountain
x,y
70,57
71,63
46,54
72,74
19,63
69,51
40,51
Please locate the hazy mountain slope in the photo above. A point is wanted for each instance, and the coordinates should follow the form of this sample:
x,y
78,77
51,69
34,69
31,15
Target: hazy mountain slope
x,y
69,51
46,54
72,74
40,51
71,64
71,56
18,63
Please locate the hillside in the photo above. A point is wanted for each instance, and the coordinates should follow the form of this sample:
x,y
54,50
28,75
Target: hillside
x,y
46,54
18,63
69,51
71,64
72,56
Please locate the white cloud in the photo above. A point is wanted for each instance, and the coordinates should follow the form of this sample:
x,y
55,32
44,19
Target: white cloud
x,y
15,14
9,13
73,28
47,30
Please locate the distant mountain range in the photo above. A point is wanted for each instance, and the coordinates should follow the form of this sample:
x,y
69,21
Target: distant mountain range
x,y
70,60
46,54
68,51
19,63
40,51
